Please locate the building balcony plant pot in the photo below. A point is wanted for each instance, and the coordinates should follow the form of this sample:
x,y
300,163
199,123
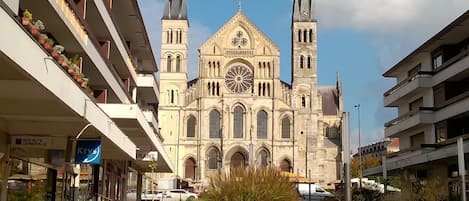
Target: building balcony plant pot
x,y
48,44
37,28
56,51
78,77
72,68
26,19
42,39
84,83
63,61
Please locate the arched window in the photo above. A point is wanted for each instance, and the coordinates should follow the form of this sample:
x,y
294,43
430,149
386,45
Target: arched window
x,y
299,35
238,122
178,63
263,159
285,165
305,36
191,122
302,60
172,97
309,62
214,129
168,36
168,63
213,158
285,127
189,170
303,101
310,35
262,124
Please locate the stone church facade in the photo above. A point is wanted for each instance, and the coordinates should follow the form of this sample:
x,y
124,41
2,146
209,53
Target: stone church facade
x,y
238,112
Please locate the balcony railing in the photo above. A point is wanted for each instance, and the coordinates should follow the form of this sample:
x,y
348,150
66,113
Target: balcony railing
x,y
451,61
407,81
73,19
407,116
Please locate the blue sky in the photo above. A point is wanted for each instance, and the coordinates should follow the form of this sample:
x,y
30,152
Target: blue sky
x,y
360,39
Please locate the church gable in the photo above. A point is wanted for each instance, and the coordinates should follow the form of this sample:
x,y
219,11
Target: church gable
x,y
239,34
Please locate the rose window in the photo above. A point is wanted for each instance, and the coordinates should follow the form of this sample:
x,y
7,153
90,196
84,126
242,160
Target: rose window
x,y
238,79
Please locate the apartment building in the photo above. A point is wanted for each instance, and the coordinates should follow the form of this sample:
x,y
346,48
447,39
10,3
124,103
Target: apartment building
x,y
78,101
432,100
379,149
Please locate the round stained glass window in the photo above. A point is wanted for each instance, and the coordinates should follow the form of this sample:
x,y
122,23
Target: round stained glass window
x,y
238,79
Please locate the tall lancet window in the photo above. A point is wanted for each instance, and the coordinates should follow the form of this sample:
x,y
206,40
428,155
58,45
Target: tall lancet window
x,y
168,63
178,63
238,122
262,124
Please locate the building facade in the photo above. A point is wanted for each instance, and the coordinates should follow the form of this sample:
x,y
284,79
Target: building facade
x,y
379,149
433,111
238,112
78,108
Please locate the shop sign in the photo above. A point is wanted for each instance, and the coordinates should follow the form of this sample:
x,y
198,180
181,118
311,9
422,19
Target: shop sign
x,y
30,141
147,156
88,152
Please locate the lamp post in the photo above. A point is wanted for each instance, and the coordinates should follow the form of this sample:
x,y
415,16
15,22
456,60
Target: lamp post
x,y
359,147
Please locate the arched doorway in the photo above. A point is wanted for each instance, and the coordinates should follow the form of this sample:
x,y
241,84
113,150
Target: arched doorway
x,y
189,170
285,165
238,160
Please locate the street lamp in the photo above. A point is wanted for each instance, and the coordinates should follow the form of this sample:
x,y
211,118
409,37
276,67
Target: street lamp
x,y
359,147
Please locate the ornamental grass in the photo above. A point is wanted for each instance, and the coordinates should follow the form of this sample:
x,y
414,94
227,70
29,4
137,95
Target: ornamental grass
x,y
250,184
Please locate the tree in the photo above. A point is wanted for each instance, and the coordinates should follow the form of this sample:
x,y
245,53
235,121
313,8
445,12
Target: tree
x,y
250,184
368,161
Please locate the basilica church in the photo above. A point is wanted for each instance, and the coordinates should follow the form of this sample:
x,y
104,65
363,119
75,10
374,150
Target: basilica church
x,y
238,112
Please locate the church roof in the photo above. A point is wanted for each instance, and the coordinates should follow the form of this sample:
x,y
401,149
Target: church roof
x,y
330,100
175,10
233,21
304,11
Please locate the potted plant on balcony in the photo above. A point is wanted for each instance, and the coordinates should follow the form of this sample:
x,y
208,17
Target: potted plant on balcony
x,y
56,51
48,44
84,84
26,19
37,28
63,60
78,77
42,39
72,68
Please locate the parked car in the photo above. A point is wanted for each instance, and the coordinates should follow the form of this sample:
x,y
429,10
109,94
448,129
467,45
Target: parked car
x,y
312,192
157,195
179,194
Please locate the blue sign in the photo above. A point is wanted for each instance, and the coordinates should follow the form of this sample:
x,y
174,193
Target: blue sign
x,y
88,152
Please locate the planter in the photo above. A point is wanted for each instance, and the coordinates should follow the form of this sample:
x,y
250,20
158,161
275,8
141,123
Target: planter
x,y
55,54
35,32
84,84
60,60
25,21
48,46
70,70
42,40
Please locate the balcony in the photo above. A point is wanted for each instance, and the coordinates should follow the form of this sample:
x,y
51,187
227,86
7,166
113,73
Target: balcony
x,y
37,95
133,122
406,88
457,65
453,107
148,88
410,120
421,156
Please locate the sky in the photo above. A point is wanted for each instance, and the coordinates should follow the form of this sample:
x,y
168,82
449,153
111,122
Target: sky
x,y
359,39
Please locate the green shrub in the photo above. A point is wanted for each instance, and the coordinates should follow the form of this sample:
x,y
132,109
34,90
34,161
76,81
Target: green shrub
x,y
250,185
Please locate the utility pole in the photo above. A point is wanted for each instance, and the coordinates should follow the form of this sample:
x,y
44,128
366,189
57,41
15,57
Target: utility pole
x,y
346,154
360,166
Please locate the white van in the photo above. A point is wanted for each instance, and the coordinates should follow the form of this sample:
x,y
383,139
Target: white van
x,y
312,192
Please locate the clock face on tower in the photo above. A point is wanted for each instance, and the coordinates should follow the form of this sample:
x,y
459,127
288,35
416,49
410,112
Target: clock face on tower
x,y
239,78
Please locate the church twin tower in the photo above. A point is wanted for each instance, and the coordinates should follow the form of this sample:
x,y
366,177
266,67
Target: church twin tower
x,y
238,112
